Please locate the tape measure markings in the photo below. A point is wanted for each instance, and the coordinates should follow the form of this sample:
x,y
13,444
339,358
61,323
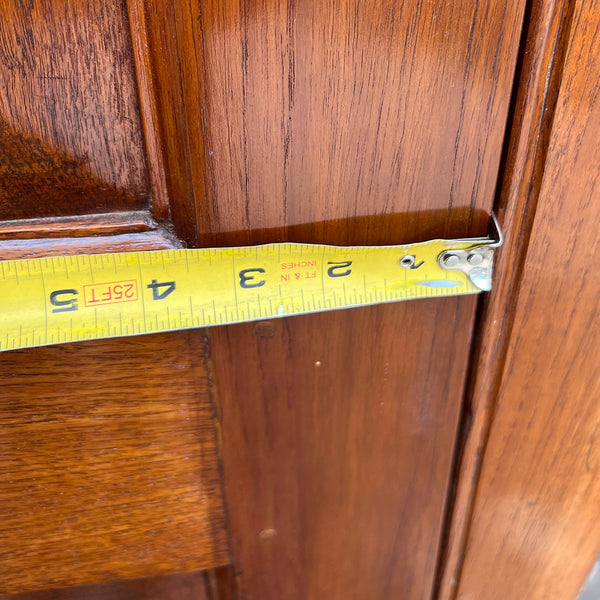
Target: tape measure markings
x,y
82,297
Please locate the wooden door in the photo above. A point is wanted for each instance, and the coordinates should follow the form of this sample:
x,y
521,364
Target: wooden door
x,y
310,457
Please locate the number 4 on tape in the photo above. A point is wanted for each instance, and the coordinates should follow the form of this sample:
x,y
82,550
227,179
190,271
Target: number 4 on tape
x,y
66,299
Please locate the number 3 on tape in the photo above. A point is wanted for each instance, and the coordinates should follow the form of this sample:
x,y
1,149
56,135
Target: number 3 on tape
x,y
66,299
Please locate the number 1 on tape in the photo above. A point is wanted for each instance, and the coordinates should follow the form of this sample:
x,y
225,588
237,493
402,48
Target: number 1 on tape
x,y
65,299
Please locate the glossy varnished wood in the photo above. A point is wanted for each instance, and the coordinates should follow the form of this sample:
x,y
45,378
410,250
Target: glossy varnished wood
x,y
70,132
100,244
281,114
116,223
336,447
355,122
545,39
88,234
187,586
108,463
535,532
153,132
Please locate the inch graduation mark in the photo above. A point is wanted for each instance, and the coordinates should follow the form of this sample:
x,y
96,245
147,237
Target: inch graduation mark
x,y
74,285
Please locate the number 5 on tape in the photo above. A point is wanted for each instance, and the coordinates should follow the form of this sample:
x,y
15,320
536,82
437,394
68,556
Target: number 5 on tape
x,y
66,299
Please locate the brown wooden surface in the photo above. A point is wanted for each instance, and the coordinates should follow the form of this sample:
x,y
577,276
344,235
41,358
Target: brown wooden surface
x,y
187,586
88,234
545,39
282,114
70,134
116,223
535,532
221,584
126,242
352,122
108,463
153,133
336,447
213,584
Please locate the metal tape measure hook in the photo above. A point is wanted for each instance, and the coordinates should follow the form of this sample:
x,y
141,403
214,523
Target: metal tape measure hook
x,y
477,262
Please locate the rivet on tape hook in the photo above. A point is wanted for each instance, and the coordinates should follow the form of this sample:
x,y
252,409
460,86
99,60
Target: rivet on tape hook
x,y
476,262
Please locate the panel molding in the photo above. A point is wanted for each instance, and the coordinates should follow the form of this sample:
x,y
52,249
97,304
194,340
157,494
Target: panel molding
x,y
86,234
540,69
150,112
535,531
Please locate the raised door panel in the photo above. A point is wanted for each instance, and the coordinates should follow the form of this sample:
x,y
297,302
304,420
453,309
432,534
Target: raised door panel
x,y
108,465
348,123
70,132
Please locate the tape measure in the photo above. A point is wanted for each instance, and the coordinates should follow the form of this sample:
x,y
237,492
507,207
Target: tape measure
x,y
71,298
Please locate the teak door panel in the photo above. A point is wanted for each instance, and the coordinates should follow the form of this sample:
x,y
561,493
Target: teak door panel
x,y
349,123
70,130
108,464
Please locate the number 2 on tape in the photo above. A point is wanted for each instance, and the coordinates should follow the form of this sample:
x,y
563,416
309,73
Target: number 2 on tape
x,y
65,299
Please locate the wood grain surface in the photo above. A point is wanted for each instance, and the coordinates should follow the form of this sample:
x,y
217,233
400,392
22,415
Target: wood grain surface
x,y
535,532
353,122
153,133
108,463
213,584
125,231
187,586
116,223
337,440
70,131
280,114
545,39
